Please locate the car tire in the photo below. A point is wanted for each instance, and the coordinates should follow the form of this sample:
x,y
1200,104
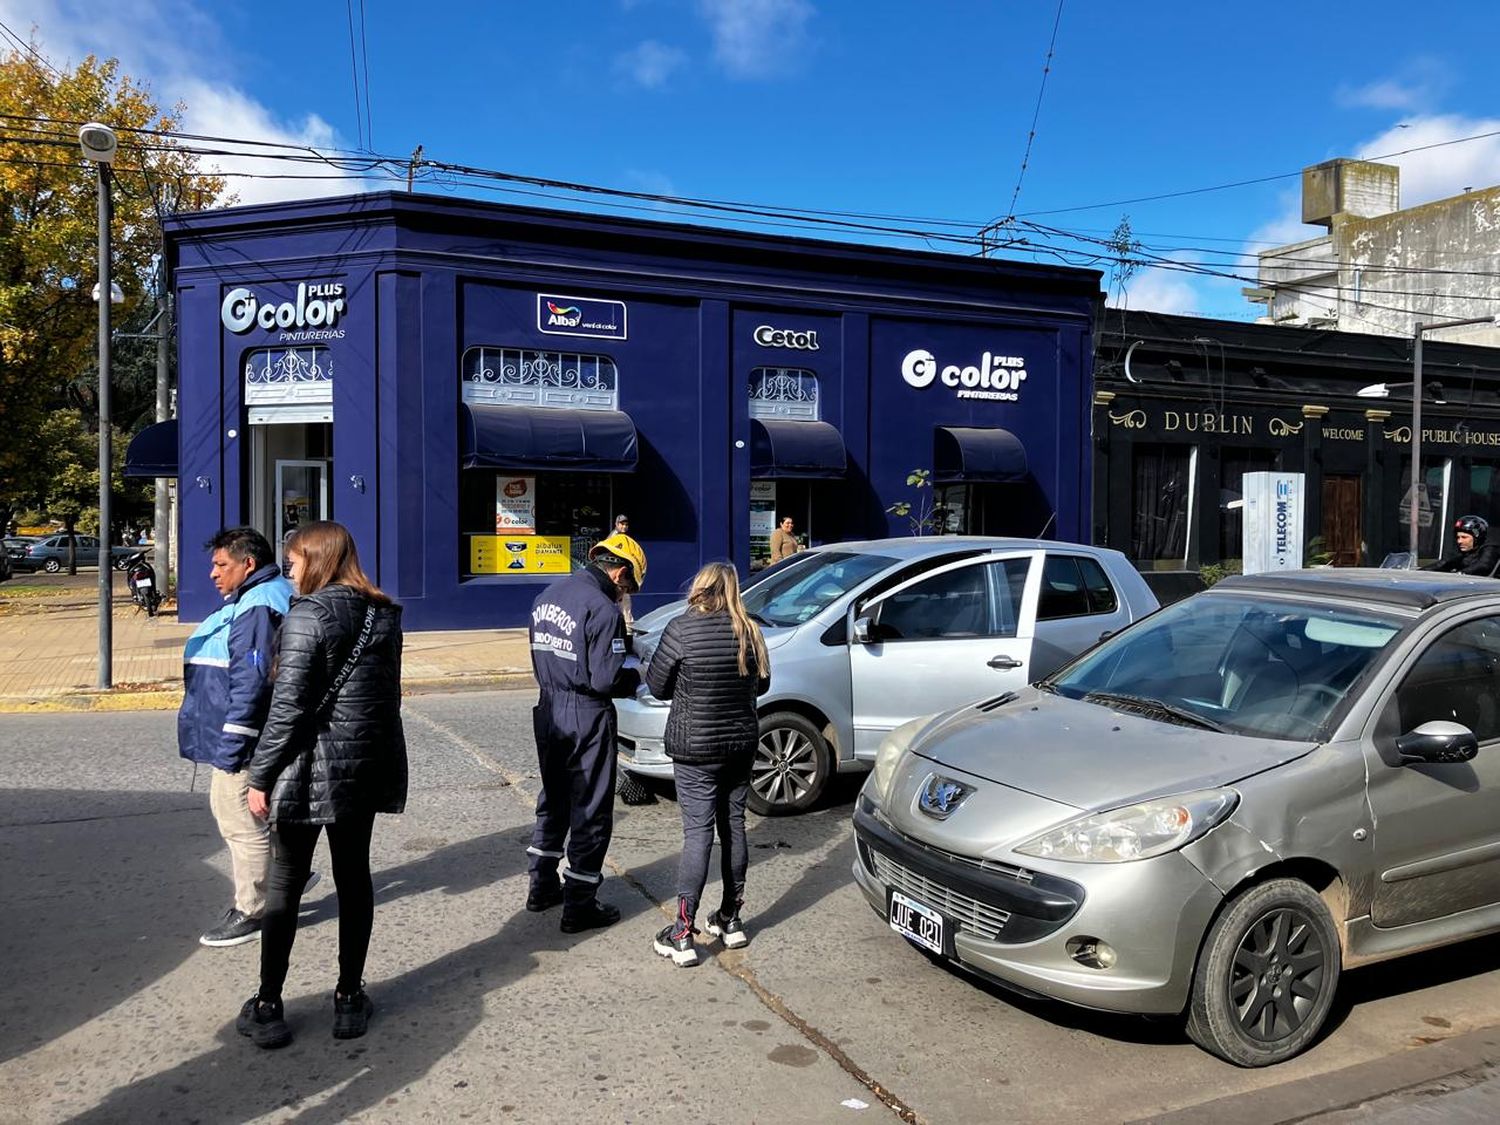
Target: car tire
x,y
791,765
1266,975
52,566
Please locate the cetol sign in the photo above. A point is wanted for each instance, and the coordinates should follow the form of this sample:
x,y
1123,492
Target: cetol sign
x,y
994,377
768,337
316,306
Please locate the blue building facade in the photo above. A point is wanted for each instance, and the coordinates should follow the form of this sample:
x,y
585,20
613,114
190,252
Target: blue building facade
x,y
475,390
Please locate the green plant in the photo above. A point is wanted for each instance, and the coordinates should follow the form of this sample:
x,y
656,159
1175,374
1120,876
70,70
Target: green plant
x,y
922,516
1317,552
1217,572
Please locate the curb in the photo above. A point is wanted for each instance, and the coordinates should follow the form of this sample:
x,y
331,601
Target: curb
x,y
168,695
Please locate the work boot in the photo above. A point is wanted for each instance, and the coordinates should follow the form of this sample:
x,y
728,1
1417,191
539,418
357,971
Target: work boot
x,y
543,897
588,915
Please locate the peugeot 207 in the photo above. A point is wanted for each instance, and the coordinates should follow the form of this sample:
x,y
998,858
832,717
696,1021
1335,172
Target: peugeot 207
x,y
864,636
1213,813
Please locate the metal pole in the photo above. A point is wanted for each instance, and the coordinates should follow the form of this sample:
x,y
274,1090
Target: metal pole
x,y
163,515
106,571
1416,440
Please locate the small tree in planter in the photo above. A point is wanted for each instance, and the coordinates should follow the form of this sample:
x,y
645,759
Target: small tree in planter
x,y
925,517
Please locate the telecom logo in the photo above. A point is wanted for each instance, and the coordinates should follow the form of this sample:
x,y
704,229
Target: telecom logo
x,y
995,378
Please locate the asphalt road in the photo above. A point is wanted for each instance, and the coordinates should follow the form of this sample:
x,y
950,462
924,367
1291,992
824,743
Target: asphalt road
x,y
109,1010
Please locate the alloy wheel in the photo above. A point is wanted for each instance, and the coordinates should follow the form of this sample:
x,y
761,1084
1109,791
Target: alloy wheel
x,y
1277,975
785,766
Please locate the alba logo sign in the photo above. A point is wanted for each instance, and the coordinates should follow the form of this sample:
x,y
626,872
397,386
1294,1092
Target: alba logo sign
x,y
994,378
580,316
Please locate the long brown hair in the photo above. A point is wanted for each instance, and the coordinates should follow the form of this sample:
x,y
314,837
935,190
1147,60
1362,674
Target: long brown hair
x,y
717,587
329,558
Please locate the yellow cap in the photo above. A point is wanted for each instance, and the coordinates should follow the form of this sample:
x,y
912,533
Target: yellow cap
x,y
624,547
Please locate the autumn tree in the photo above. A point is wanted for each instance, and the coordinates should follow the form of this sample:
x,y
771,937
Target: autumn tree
x,y
48,254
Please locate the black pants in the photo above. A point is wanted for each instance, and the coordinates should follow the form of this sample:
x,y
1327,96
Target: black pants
x,y
575,750
291,859
712,798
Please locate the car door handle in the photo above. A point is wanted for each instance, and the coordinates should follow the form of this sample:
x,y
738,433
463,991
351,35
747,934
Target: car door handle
x,y
1104,636
1003,662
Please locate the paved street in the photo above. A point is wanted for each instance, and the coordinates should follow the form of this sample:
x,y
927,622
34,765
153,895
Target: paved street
x,y
110,867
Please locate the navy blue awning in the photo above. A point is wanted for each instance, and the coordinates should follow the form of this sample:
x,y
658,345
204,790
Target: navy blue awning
x,y
547,439
808,450
153,451
963,454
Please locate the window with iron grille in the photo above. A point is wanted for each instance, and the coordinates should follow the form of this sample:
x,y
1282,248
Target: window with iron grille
x,y
534,377
784,392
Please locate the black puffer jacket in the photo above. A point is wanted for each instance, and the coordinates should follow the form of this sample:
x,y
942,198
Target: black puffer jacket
x,y
696,666
352,758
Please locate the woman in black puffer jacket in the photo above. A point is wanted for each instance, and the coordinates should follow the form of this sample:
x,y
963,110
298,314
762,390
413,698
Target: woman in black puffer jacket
x,y
711,663
332,754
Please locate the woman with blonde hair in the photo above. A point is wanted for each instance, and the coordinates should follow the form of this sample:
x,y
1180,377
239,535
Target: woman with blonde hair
x,y
711,663
331,755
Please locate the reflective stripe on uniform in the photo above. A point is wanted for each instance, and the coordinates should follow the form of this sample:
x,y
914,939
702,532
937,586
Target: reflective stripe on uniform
x,y
534,850
582,876
235,728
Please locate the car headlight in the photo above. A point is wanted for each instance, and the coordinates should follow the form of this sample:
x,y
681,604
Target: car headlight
x,y
892,746
1139,831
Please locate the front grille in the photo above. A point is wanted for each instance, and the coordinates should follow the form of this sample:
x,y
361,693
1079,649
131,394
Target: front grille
x,y
625,745
969,914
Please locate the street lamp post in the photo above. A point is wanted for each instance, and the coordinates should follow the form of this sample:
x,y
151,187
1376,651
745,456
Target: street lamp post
x,y
99,146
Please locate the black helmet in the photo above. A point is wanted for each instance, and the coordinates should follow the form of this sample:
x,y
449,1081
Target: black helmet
x,y
1476,526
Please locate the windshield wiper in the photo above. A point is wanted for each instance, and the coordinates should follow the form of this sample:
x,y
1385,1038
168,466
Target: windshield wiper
x,y
1143,705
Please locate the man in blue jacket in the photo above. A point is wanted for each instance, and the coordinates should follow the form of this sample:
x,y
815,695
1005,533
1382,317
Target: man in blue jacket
x,y
226,694
581,655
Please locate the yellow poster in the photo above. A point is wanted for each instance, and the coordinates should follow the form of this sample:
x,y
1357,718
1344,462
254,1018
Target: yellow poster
x,y
519,554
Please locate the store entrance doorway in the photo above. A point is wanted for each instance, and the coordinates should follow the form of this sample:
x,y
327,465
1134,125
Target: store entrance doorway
x,y
1342,532
289,473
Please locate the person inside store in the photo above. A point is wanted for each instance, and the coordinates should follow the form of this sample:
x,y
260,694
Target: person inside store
x,y
712,664
1474,554
622,527
783,543
581,656
331,755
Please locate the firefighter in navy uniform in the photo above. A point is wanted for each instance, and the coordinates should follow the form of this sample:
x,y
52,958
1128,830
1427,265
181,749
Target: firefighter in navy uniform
x,y
579,651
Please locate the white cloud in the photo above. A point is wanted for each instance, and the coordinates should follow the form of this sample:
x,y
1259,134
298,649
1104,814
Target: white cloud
x,y
1416,87
655,183
1438,172
757,38
1158,290
175,48
649,64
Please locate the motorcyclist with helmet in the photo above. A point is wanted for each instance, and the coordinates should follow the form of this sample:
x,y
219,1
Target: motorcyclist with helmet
x,y
1475,556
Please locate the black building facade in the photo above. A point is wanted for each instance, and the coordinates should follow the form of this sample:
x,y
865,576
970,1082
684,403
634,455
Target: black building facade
x,y
1184,407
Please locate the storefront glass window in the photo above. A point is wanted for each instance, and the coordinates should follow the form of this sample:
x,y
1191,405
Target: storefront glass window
x,y
1161,483
542,524
1432,508
1482,492
784,392
1233,466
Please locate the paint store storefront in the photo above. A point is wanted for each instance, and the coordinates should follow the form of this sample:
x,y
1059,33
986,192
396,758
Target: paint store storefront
x,y
476,390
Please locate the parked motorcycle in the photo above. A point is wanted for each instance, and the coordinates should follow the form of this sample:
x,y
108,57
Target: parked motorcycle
x,y
141,579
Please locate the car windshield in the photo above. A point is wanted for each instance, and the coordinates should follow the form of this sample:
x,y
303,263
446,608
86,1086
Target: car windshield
x,y
806,585
1242,663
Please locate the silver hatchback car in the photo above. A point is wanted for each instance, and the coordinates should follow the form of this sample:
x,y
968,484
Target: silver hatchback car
x,y
864,636
1214,812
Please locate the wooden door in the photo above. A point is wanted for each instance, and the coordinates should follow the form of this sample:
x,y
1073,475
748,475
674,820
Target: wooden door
x,y
1341,524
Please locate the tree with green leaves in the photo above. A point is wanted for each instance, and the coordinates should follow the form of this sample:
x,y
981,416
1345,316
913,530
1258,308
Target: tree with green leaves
x,y
49,407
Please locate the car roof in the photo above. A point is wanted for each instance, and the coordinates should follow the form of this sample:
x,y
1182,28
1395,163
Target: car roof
x,y
918,546
1411,589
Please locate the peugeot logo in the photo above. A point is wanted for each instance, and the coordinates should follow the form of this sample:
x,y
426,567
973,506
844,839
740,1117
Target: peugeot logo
x,y
941,795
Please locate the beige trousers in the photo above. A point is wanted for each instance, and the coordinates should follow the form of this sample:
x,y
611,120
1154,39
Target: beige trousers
x,y
248,838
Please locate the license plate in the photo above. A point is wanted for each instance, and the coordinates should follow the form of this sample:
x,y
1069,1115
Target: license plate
x,y
915,922
143,583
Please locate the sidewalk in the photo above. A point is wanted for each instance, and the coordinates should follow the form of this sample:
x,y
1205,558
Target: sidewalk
x,y
49,658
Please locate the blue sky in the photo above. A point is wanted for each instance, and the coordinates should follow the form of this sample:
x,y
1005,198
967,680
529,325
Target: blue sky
x,y
913,110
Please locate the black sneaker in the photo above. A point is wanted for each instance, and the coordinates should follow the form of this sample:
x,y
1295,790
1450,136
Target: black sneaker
x,y
543,898
677,944
264,1023
728,930
591,915
351,1015
235,929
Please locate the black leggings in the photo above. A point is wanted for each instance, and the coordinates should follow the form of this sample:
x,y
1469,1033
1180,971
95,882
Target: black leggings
x,y
291,859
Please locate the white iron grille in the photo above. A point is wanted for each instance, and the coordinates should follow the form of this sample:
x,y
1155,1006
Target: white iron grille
x,y
970,914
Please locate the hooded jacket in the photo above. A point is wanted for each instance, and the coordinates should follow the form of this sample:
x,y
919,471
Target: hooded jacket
x,y
697,666
226,675
350,758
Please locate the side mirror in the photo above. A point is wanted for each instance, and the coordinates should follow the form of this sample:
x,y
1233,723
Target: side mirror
x,y
864,633
1437,743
